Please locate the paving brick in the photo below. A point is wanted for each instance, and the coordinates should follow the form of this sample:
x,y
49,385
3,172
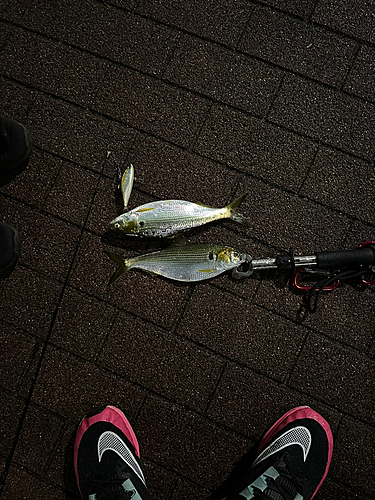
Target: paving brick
x,y
355,447
6,31
121,138
15,100
51,66
150,105
170,366
2,465
59,467
121,36
242,396
17,350
71,195
48,245
219,74
92,270
285,220
361,79
335,177
349,390
99,28
334,491
10,413
185,490
29,301
40,433
160,482
300,8
275,295
126,4
167,172
351,17
297,46
256,147
22,484
241,331
40,173
82,324
71,387
357,234
73,133
219,20
187,444
336,119
27,15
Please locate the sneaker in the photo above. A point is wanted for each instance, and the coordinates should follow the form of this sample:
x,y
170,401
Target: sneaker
x,y
10,249
15,149
292,461
106,458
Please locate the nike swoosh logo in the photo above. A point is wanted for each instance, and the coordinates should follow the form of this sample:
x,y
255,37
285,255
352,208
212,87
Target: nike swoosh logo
x,y
109,441
298,435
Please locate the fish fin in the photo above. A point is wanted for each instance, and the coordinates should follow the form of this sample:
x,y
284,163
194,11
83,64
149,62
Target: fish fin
x,y
239,218
202,204
206,270
233,206
122,266
145,209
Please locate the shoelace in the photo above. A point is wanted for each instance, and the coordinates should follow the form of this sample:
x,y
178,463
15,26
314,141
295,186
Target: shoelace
x,y
110,488
285,486
112,491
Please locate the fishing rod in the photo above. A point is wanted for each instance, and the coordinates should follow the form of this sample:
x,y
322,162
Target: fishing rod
x,y
335,266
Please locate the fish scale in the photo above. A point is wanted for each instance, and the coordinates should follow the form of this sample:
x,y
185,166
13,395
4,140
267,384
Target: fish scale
x,y
181,214
191,262
167,217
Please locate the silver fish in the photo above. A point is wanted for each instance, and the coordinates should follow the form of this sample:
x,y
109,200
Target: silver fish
x,y
126,185
168,217
191,262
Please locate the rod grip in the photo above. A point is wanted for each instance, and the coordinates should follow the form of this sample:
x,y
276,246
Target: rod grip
x,y
346,258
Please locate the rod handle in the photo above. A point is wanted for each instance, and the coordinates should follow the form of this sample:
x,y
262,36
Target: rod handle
x,y
346,258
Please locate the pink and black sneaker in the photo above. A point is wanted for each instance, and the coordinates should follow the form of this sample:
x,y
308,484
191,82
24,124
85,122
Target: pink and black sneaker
x,y
106,458
292,461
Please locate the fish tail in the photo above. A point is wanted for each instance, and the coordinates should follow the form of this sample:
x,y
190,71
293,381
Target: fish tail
x,y
232,209
123,267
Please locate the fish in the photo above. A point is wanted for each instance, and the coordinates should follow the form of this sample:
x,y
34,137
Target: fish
x,y
165,218
126,184
188,263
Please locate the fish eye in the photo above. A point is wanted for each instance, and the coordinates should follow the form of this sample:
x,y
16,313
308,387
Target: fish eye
x,y
117,225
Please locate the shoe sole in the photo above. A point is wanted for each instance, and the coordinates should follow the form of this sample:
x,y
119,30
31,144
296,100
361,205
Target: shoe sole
x,y
299,413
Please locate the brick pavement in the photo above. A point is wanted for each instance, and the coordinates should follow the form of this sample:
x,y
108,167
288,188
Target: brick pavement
x,y
207,99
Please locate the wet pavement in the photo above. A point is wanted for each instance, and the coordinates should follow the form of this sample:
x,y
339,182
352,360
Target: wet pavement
x,y
207,99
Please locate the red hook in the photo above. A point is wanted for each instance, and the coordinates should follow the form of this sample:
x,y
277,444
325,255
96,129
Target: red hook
x,y
305,288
